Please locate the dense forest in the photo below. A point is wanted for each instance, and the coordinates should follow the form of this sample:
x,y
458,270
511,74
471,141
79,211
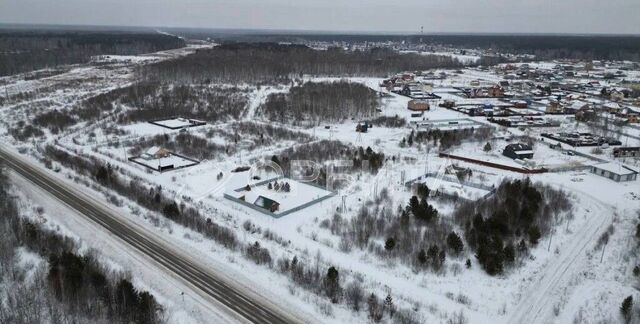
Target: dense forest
x,y
22,51
269,62
70,287
315,102
609,47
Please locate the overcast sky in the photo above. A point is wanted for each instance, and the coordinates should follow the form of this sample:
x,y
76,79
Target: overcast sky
x,y
441,16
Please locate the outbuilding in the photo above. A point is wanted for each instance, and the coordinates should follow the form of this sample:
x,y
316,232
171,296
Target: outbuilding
x,y
615,171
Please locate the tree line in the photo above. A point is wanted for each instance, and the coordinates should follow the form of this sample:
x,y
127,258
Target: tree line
x,y
271,62
151,198
447,138
69,287
22,51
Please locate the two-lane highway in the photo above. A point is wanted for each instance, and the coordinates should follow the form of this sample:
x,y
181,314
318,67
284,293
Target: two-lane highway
x,y
246,307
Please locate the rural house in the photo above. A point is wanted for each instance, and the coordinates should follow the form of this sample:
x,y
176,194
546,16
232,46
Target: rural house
x,y
518,151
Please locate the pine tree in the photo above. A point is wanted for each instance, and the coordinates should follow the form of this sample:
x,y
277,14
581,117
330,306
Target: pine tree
x,y
389,244
275,159
534,234
388,304
332,284
626,308
487,147
522,247
422,257
509,253
432,255
454,242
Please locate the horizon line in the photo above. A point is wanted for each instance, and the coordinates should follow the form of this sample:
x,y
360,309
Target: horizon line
x,y
299,32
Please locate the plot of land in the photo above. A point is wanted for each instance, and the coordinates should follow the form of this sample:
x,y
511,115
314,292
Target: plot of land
x,y
169,163
299,196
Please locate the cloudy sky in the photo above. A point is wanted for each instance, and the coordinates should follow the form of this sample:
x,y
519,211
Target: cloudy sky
x,y
441,16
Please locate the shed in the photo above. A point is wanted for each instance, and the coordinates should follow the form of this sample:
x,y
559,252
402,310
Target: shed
x,y
615,171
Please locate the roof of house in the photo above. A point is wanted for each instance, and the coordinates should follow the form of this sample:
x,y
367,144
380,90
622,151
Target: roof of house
x,y
265,202
153,150
520,148
615,168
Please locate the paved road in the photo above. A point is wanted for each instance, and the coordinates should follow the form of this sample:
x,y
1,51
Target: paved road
x,y
245,307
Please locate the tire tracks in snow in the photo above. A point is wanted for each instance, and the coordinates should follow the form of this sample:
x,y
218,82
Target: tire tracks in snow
x,y
543,293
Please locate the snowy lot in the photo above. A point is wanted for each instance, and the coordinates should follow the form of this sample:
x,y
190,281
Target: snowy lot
x,y
168,163
299,195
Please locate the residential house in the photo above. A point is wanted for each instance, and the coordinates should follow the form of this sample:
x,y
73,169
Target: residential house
x,y
518,151
155,153
418,105
259,200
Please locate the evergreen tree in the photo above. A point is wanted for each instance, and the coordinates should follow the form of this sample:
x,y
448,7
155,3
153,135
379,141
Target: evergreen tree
x,y
509,253
534,234
388,304
626,308
332,284
487,147
422,257
454,242
389,244
275,159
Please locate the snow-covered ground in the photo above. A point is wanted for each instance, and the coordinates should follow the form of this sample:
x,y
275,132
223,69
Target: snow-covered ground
x,y
563,277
